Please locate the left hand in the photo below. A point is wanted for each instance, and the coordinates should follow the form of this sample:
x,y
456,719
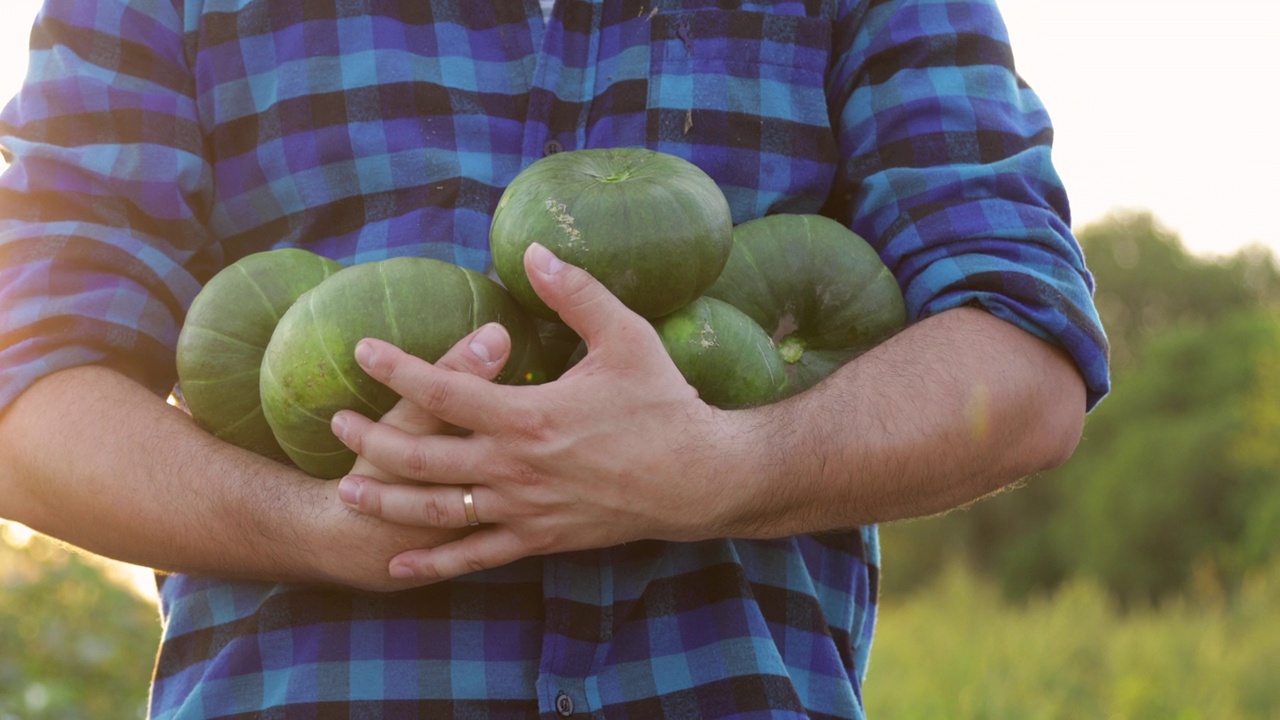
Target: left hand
x,y
618,449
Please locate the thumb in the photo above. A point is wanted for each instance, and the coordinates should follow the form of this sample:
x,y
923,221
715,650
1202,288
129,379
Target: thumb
x,y
583,303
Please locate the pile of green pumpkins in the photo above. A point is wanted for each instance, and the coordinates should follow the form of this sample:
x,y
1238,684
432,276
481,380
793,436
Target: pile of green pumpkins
x,y
750,314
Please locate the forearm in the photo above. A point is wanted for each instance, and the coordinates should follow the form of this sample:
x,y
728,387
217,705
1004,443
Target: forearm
x,y
951,409
92,458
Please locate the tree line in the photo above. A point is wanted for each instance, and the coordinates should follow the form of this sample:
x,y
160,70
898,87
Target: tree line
x,y
1177,478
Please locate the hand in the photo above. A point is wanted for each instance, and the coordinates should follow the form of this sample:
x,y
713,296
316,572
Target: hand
x,y
481,354
618,449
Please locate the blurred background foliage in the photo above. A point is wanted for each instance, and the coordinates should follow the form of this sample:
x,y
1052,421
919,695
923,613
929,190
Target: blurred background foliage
x,y
1139,580
76,641
1179,468
962,650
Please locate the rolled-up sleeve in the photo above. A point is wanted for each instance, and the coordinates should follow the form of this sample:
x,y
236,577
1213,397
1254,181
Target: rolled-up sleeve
x,y
103,204
947,172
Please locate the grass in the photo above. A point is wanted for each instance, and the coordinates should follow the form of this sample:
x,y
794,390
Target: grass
x,y
959,651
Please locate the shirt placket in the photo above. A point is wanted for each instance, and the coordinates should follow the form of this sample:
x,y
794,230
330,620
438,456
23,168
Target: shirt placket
x,y
563,81
578,602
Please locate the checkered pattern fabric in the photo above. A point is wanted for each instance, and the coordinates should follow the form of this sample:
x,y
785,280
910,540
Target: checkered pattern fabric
x,y
156,141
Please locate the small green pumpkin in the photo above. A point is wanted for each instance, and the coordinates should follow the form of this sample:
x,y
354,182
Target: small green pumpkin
x,y
421,305
814,289
225,334
723,353
653,228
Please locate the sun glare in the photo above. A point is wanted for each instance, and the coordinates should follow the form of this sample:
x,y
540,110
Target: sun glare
x,y
1160,106
16,535
14,34
138,580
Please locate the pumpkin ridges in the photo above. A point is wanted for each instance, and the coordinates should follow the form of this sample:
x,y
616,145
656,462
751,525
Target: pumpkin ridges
x,y
388,309
333,361
249,416
770,322
219,335
262,295
242,375
475,303
311,456
214,341
422,305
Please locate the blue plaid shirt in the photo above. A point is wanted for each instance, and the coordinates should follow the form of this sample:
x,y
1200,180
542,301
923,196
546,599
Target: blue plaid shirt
x,y
157,141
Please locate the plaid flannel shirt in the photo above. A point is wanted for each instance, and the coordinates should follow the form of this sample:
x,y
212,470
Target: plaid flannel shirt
x,y
158,140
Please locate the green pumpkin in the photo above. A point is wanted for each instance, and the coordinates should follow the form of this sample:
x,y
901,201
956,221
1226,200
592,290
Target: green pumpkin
x,y
225,334
653,228
814,289
723,353
421,305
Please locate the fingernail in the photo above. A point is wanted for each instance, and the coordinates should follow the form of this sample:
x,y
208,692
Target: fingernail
x,y
364,354
544,260
339,425
487,343
349,491
401,572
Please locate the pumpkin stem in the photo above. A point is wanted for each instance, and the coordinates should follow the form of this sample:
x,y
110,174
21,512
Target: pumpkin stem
x,y
616,176
792,349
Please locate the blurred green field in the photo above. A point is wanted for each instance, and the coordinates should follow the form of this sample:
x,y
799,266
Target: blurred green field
x,y
958,650
77,641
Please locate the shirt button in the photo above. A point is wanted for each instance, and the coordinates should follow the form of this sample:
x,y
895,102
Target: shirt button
x,y
564,704
551,147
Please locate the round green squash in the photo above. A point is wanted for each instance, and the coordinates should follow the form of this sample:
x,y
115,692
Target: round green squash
x,y
423,306
708,338
225,334
653,228
815,289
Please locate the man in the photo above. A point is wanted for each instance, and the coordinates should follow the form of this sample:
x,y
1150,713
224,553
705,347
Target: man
x,y
603,545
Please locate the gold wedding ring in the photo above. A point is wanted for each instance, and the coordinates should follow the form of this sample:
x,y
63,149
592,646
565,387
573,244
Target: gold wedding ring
x,y
469,504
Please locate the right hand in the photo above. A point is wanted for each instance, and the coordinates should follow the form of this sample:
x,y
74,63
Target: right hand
x,y
482,353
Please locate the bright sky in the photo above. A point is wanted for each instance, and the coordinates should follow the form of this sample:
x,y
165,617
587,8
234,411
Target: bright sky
x,y
1165,105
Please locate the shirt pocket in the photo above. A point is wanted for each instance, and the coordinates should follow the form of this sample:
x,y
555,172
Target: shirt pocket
x,y
742,95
